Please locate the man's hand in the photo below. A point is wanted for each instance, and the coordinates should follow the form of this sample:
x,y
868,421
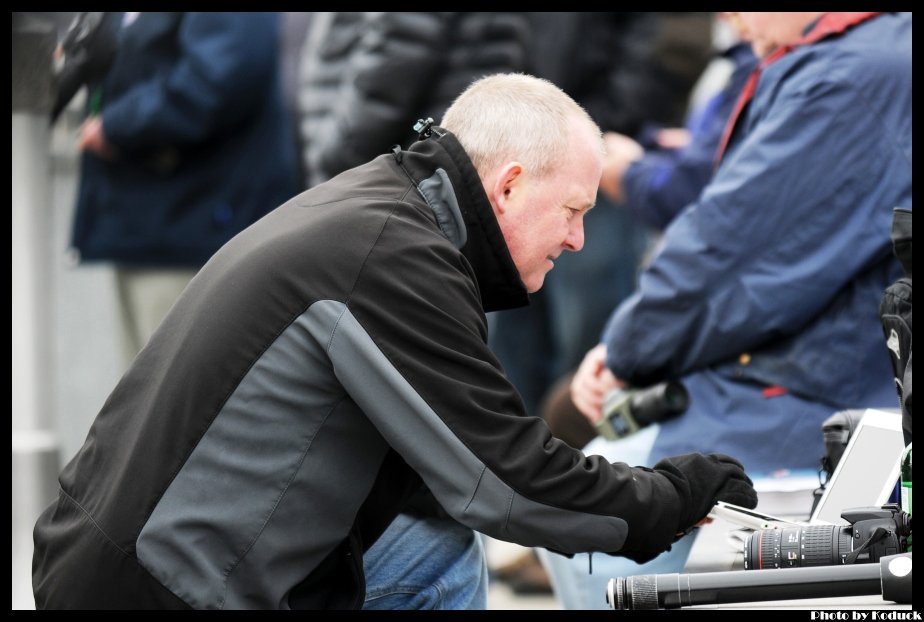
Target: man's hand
x,y
701,480
621,151
592,382
93,139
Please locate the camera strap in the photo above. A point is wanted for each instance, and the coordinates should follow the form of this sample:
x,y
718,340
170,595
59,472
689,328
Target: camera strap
x,y
879,533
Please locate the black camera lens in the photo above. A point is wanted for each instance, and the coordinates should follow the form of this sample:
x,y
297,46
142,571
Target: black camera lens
x,y
795,547
659,402
872,533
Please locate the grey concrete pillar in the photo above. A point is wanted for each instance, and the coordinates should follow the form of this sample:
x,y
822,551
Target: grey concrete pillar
x,y
35,461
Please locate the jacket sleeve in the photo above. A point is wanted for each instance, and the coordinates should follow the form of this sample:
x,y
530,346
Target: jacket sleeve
x,y
781,229
662,183
410,350
383,82
226,64
658,186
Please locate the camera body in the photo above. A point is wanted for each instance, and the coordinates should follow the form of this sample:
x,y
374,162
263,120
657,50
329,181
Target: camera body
x,y
872,533
627,410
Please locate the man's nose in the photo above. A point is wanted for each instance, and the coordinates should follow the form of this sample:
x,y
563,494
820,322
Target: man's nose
x,y
575,240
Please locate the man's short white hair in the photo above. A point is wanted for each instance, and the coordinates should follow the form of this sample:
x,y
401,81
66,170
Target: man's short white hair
x,y
508,117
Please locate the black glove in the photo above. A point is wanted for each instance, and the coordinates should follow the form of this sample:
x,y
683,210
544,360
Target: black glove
x,y
701,480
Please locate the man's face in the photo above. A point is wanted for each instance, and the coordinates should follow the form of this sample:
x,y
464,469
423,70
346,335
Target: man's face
x,y
769,31
543,217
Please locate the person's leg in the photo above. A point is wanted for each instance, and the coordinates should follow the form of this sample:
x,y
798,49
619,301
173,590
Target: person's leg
x,y
577,588
426,563
145,296
565,420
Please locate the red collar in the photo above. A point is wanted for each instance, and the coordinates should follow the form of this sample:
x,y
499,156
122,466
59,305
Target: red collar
x,y
834,24
825,26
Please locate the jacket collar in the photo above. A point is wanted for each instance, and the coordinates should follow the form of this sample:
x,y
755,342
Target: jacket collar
x,y
482,242
828,25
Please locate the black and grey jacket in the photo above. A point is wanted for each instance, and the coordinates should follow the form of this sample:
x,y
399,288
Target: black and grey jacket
x,y
322,363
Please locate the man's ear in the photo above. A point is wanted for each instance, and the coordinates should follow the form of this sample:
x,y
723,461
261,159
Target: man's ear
x,y
506,184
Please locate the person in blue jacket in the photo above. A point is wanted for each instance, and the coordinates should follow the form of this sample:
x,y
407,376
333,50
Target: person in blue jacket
x,y
185,145
763,297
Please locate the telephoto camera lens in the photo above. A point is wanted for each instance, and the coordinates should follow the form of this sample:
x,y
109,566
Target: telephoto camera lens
x,y
872,533
795,547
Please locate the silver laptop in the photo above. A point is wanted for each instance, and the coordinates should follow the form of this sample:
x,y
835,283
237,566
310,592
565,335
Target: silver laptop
x,y
865,476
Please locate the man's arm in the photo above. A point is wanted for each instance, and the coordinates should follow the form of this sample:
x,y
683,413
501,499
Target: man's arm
x,y
413,356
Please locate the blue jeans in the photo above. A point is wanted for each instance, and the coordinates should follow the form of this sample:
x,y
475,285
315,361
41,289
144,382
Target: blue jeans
x,y
426,563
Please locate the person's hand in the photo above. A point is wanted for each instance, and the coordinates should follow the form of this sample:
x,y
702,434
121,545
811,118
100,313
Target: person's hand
x,y
621,151
93,139
701,480
592,381
673,138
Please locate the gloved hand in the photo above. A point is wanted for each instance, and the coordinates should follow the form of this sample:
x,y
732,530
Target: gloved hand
x,y
701,480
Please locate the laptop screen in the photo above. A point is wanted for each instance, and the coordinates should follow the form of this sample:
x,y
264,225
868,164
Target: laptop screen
x,y
868,469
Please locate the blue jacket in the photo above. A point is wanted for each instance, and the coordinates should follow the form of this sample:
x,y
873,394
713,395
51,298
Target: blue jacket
x,y
774,275
193,104
665,181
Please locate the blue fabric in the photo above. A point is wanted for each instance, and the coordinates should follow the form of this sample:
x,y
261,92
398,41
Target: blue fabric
x,y
426,563
732,417
580,582
659,185
194,105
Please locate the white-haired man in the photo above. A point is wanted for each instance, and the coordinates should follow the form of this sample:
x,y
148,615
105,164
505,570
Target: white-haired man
x,y
330,359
